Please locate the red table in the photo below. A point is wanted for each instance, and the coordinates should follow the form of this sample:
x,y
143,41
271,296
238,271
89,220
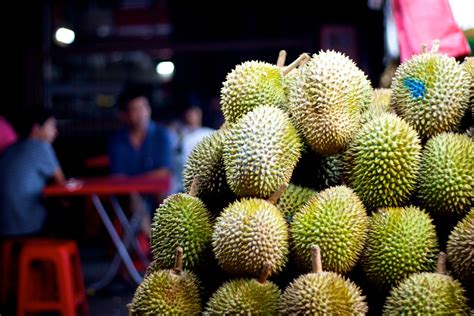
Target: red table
x,y
108,187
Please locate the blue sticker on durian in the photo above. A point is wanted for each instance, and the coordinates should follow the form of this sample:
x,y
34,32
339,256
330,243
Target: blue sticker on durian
x,y
416,87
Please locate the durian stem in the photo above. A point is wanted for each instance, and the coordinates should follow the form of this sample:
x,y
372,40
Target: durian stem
x,y
424,48
281,58
441,264
435,46
265,273
273,199
316,264
194,186
129,307
301,59
178,261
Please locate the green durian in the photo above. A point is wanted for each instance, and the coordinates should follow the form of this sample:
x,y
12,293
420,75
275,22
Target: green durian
x,y
167,292
322,293
382,163
251,84
430,91
261,152
326,101
181,220
336,220
446,182
460,249
293,199
248,234
401,241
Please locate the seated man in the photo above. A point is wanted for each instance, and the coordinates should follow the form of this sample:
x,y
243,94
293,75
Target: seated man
x,y
25,168
142,147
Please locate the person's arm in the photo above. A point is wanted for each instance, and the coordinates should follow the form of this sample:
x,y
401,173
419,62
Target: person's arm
x,y
58,176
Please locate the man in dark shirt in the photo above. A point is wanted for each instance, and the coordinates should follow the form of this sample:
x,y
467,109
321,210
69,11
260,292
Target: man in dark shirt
x,y
142,147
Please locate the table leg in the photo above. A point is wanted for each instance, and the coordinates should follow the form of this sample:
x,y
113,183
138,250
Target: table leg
x,y
121,248
128,229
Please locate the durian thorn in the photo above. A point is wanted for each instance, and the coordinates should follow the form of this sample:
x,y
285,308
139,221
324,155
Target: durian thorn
x,y
424,48
302,58
194,186
441,264
281,58
435,46
267,267
273,199
316,264
178,261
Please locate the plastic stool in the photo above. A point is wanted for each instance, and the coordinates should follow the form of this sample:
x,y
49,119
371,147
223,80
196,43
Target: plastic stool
x,y
10,254
50,279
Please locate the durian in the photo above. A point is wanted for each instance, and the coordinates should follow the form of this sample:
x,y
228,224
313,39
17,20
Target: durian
x,y
245,297
293,199
430,91
447,174
336,220
251,84
181,220
261,152
427,294
382,162
206,162
322,293
401,241
380,104
248,234
326,101
460,249
167,292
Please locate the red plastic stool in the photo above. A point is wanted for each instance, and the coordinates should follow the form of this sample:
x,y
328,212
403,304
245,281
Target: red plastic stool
x,y
10,254
50,279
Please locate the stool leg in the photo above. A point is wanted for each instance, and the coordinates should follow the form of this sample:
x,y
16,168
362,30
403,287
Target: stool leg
x,y
22,289
7,248
79,281
65,286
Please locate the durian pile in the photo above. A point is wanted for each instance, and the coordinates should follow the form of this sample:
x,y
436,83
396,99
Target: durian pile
x,y
315,169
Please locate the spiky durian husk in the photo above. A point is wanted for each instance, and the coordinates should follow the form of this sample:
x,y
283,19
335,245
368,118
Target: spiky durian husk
x,y
251,84
401,241
382,162
207,163
430,91
335,220
325,293
446,183
244,297
380,104
326,101
261,152
249,233
293,199
165,293
460,249
427,294
468,67
181,220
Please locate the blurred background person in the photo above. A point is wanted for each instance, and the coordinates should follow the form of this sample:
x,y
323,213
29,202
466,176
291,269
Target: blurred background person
x,y
189,133
25,169
141,148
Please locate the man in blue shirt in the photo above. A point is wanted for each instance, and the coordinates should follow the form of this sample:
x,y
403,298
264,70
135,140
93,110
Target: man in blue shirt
x,y
25,168
141,148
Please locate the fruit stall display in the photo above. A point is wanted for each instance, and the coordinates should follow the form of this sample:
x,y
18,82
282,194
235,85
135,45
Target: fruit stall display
x,y
321,195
